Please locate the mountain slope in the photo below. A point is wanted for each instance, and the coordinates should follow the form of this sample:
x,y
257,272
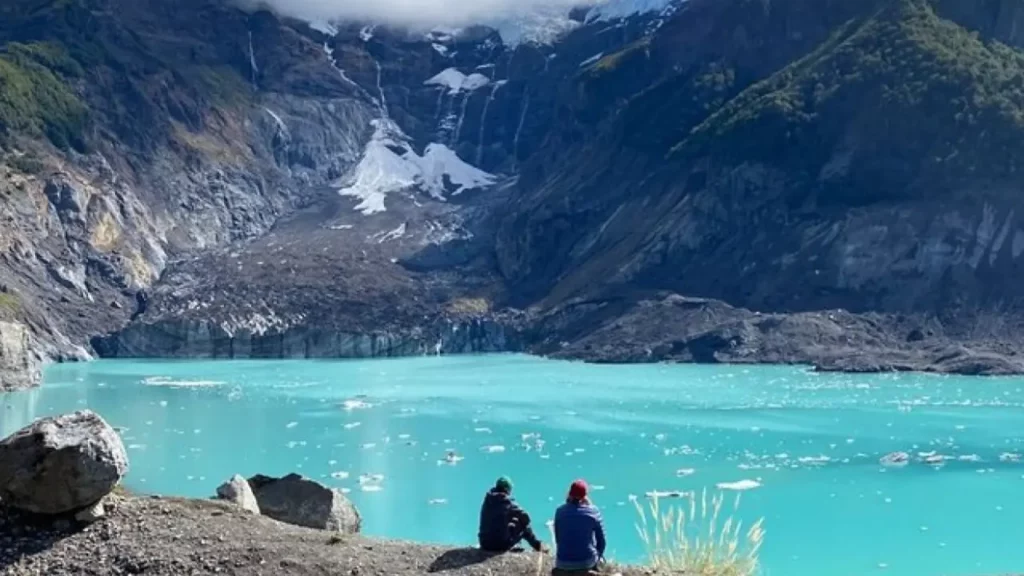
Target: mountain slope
x,y
190,179
877,171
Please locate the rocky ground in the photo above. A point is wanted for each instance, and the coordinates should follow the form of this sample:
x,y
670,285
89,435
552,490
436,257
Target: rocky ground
x,y
661,327
148,535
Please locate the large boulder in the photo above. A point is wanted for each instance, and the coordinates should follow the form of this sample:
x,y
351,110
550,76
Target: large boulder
x,y
237,491
61,464
304,502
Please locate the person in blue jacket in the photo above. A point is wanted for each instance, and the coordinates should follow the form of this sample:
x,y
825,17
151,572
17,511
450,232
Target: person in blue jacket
x,y
579,532
503,524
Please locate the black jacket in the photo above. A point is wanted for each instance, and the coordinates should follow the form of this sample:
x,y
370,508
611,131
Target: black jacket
x,y
498,510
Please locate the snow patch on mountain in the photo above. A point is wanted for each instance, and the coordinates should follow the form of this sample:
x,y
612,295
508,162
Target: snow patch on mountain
x,y
615,9
457,82
390,164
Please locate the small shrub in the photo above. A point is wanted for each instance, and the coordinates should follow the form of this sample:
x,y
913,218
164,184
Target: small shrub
x,y
700,541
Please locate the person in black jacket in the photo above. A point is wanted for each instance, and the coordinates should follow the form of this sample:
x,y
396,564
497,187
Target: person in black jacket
x,y
503,524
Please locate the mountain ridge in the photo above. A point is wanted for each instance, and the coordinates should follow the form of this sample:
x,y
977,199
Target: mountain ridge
x,y
779,157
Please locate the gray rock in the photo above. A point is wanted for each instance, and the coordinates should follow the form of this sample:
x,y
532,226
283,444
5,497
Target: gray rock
x,y
61,464
20,365
237,491
304,502
92,514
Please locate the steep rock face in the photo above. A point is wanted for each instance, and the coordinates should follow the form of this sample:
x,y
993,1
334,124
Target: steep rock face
x,y
20,365
816,188
262,339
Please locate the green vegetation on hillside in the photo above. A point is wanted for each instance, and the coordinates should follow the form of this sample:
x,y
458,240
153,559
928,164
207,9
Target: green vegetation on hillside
x,y
905,100
35,96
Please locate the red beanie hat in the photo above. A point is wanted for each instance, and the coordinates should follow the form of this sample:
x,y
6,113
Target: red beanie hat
x,y
578,490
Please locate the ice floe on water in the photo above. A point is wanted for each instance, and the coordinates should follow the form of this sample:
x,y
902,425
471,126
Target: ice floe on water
x,y
355,404
740,485
291,425
684,472
173,383
663,494
437,501
895,459
340,475
451,458
352,425
482,430
494,449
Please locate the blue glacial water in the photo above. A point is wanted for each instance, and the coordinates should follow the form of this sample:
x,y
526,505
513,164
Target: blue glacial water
x,y
811,441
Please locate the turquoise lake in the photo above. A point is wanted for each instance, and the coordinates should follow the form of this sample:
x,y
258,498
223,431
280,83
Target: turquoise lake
x,y
808,444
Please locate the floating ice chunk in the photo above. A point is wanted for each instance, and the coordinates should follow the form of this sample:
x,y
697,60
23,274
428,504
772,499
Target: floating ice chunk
x,y
482,430
579,450
684,472
739,486
355,404
340,475
291,425
934,459
437,501
136,446
403,436
662,494
172,383
529,436
814,460
371,488
895,459
369,445
597,487
969,458
495,449
352,425
371,478
1009,457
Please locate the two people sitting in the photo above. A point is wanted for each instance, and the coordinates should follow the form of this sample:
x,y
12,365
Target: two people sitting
x,y
579,528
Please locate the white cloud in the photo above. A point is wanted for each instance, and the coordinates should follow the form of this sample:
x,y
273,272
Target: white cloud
x,y
417,13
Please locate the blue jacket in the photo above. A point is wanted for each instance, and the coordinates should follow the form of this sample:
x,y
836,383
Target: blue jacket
x,y
579,536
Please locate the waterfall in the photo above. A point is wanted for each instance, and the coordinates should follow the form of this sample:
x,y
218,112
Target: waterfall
x,y
252,62
462,117
380,88
522,121
440,103
439,346
483,123
334,63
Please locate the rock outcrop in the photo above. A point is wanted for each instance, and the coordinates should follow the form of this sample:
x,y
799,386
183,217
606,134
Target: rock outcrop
x,y
20,365
238,492
304,502
61,464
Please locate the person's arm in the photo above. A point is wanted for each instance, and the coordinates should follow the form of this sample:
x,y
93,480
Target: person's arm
x,y
515,511
599,533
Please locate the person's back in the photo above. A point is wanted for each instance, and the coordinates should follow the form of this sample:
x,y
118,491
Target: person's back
x,y
579,532
503,524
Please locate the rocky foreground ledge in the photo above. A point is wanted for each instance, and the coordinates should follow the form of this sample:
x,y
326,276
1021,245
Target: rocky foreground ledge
x,y
61,512
170,536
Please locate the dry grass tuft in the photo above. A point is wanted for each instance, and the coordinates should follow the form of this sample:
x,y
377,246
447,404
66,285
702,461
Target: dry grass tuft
x,y
700,541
